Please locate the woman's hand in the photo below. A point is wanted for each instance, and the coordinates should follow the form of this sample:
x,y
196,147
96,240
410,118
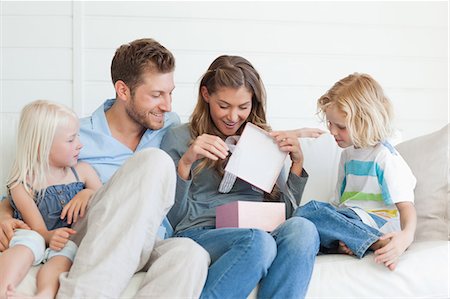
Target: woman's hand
x,y
204,146
288,142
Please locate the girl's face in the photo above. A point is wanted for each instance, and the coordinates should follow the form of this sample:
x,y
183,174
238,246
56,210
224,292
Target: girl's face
x,y
229,108
66,144
337,126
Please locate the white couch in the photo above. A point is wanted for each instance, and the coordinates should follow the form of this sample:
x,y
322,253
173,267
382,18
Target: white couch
x,y
422,271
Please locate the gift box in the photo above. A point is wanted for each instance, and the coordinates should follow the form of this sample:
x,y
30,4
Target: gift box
x,y
250,214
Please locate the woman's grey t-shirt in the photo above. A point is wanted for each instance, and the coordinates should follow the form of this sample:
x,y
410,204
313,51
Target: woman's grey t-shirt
x,y
196,198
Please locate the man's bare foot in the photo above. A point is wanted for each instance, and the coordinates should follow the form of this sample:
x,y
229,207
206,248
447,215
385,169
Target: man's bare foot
x,y
342,248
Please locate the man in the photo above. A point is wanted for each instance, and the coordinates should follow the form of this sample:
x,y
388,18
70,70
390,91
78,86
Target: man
x,y
119,232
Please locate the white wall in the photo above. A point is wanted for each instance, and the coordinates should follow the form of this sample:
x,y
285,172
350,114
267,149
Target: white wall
x,y
62,51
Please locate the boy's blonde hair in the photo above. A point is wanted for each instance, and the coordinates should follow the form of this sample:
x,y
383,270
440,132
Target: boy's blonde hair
x,y
368,112
37,126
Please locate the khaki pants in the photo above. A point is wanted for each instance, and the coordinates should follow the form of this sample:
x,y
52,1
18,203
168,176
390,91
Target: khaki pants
x,y
119,238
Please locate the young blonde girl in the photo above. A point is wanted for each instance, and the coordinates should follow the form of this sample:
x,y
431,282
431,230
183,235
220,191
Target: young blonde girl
x,y
48,190
374,203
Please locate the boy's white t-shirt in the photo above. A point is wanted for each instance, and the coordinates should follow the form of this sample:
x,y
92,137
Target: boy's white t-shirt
x,y
373,180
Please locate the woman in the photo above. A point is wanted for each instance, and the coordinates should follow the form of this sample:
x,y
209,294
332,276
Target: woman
x,y
231,94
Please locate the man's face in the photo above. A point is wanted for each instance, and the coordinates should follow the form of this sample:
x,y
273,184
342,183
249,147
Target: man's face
x,y
151,100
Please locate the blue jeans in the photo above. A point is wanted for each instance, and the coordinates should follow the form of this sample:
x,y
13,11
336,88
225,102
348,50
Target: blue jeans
x,y
339,224
240,258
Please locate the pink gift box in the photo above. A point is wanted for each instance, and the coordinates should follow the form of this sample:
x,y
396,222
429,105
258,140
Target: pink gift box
x,y
250,214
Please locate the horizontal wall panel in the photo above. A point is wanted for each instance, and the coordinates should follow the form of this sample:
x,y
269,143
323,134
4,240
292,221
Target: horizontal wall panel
x,y
95,93
326,70
41,8
413,128
420,104
380,13
36,31
36,64
18,93
269,37
298,70
408,103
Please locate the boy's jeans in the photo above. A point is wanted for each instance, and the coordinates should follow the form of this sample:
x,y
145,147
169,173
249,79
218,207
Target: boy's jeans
x,y
339,224
283,260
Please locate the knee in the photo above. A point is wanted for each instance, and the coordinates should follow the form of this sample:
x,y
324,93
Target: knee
x,y
196,253
148,162
153,158
300,234
263,246
69,251
32,240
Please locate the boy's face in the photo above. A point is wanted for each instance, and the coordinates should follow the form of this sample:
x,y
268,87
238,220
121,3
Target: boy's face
x,y
151,100
338,127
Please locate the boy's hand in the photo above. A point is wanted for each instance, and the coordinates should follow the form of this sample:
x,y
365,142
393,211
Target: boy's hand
x,y
59,237
388,254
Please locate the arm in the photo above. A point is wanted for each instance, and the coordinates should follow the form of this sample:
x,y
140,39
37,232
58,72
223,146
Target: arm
x,y
27,207
176,144
288,142
204,146
76,207
308,132
295,187
401,240
8,224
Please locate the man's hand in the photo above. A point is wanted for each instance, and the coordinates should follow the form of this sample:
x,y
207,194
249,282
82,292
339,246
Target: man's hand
x,y
7,227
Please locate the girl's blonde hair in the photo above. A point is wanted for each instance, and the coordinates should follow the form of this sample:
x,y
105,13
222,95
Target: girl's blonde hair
x,y
368,112
37,126
227,72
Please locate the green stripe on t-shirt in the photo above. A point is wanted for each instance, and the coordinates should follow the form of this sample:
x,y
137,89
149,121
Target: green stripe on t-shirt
x,y
361,196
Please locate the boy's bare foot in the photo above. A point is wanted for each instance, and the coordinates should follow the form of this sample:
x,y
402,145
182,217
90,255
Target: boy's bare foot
x,y
392,266
379,243
342,248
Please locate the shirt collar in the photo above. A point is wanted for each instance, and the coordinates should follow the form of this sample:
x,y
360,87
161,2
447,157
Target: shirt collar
x,y
99,122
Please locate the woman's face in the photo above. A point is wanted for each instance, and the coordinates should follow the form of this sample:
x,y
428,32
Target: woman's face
x,y
229,108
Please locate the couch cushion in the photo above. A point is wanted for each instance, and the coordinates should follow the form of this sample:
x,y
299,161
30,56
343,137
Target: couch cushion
x,y
321,162
427,156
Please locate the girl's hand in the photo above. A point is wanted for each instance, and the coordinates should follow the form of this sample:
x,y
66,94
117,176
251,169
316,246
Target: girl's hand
x,y
59,237
205,146
76,207
288,142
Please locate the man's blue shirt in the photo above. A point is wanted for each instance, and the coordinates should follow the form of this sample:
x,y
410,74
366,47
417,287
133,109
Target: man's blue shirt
x,y
106,154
